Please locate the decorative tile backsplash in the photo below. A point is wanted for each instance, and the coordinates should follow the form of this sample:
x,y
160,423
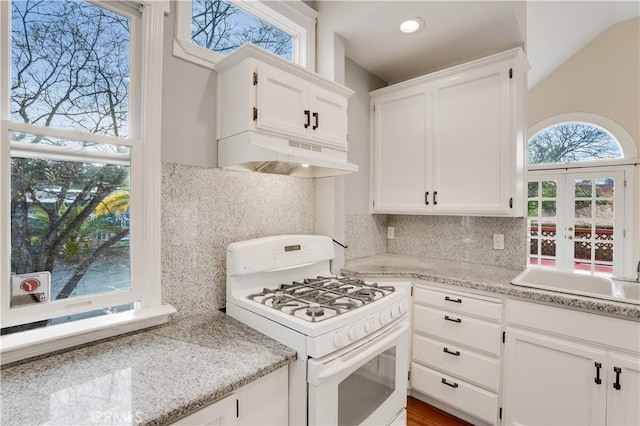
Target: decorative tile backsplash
x,y
461,238
365,235
204,210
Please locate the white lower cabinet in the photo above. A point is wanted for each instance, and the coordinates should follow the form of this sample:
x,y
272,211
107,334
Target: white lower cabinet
x,y
564,370
456,350
262,402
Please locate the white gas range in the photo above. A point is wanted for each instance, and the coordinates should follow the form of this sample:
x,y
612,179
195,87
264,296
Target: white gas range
x,y
351,336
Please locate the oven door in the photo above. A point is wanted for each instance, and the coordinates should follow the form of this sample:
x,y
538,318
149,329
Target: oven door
x,y
366,384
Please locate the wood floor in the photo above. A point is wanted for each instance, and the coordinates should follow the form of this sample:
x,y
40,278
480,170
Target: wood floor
x,y
422,414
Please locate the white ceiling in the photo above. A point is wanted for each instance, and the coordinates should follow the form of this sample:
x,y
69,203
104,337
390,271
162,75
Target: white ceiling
x,y
459,31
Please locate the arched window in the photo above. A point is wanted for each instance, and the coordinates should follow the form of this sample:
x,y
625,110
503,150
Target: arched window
x,y
572,142
577,212
579,140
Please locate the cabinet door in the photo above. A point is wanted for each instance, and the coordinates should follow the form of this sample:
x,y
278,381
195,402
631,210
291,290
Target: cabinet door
x,y
328,117
221,413
265,401
470,139
552,382
282,100
400,151
623,401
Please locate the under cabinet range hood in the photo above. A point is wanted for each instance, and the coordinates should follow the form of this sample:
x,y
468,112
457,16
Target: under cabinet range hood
x,y
263,153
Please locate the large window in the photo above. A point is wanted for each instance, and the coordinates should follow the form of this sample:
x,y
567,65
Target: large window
x,y
73,163
207,30
579,201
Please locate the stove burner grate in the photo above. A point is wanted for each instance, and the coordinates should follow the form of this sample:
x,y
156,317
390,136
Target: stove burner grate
x,y
320,298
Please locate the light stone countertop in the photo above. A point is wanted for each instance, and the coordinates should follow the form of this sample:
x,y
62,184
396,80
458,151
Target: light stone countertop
x,y
152,377
479,277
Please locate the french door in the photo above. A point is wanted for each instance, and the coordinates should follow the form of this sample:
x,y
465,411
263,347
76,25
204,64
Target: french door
x,y
576,220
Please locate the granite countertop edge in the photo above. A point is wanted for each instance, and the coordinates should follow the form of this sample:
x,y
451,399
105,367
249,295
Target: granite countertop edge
x,y
401,266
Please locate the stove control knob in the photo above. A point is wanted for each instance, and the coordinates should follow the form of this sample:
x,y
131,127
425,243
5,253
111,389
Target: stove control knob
x,y
370,325
338,341
385,317
402,308
396,311
353,332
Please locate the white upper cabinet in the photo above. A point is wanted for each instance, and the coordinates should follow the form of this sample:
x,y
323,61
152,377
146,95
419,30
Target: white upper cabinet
x,y
452,142
400,152
262,92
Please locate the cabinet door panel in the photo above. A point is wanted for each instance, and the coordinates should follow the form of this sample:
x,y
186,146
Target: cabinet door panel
x,y
400,153
220,413
282,100
548,381
623,404
330,121
470,149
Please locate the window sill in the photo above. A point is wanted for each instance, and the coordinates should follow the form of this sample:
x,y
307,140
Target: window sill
x,y
27,344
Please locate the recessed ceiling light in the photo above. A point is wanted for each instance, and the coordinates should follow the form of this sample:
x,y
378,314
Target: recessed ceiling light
x,y
411,25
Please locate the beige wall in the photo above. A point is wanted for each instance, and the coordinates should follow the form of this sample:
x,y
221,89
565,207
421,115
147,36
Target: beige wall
x,y
602,78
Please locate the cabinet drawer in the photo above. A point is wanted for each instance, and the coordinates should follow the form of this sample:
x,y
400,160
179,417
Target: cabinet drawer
x,y
458,328
574,324
459,302
457,393
463,363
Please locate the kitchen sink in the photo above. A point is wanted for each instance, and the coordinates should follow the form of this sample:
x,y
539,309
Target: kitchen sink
x,y
619,290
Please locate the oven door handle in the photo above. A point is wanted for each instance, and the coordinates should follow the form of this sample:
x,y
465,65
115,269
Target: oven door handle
x,y
357,356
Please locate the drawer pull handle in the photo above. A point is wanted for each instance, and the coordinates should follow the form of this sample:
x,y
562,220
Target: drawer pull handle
x,y
453,385
598,380
616,385
448,318
455,353
307,114
448,299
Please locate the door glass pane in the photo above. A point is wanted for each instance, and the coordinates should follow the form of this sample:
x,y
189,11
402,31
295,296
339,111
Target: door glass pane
x,y
549,189
604,188
583,230
604,210
583,209
594,224
542,212
362,392
583,188
548,209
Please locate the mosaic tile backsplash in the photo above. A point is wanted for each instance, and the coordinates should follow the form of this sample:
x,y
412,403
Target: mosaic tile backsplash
x,y
460,238
365,235
204,210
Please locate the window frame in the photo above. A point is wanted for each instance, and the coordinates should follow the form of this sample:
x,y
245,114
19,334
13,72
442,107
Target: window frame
x,y
144,136
293,17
